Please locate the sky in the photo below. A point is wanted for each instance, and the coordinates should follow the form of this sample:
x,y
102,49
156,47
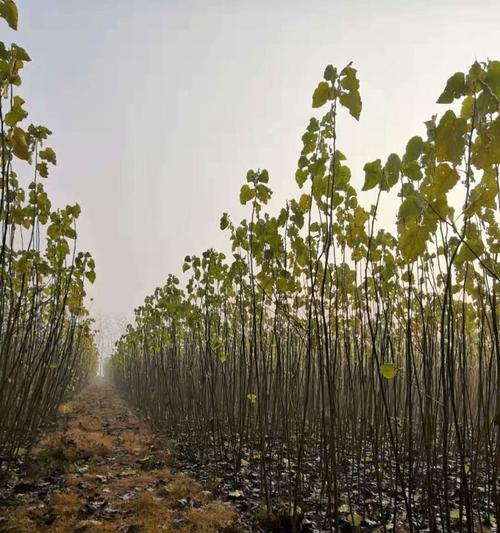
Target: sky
x,y
159,108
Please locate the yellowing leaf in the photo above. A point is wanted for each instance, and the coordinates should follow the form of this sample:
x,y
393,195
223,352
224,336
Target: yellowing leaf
x,y
350,97
352,101
492,78
392,169
48,155
373,174
66,408
305,203
355,519
445,178
252,398
8,11
412,240
19,144
388,370
450,138
321,94
414,149
455,88
246,194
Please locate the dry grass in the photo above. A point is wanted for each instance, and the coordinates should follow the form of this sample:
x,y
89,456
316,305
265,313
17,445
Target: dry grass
x,y
124,463
151,513
19,521
133,442
88,444
184,486
78,442
213,517
52,448
89,423
66,503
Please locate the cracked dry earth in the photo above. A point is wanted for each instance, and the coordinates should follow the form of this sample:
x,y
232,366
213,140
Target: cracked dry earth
x,y
104,470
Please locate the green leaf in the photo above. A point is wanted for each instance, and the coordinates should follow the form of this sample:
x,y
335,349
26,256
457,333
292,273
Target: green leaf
x,y
48,155
392,169
321,94
450,138
224,221
455,88
330,74
263,177
246,194
492,78
373,174
54,231
8,11
70,233
350,97
352,101
414,149
17,113
43,169
410,208
412,170
300,177
19,144
20,53
388,370
349,81
263,193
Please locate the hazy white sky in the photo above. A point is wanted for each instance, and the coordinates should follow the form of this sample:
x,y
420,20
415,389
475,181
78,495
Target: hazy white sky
x,y
159,107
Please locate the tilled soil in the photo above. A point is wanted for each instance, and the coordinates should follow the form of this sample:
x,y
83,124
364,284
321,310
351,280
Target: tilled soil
x,y
104,470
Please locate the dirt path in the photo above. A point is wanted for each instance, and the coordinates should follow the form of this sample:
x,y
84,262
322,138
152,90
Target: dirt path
x,y
105,471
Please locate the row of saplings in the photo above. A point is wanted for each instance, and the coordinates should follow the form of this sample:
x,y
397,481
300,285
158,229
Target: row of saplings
x,y
47,348
329,366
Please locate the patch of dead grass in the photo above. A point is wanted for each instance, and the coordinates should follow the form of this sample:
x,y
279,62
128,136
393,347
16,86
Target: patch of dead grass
x,y
212,517
52,448
89,444
184,486
134,442
151,513
153,492
66,504
19,520
89,423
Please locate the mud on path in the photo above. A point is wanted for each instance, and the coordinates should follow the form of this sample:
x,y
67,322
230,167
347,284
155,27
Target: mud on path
x,y
104,470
